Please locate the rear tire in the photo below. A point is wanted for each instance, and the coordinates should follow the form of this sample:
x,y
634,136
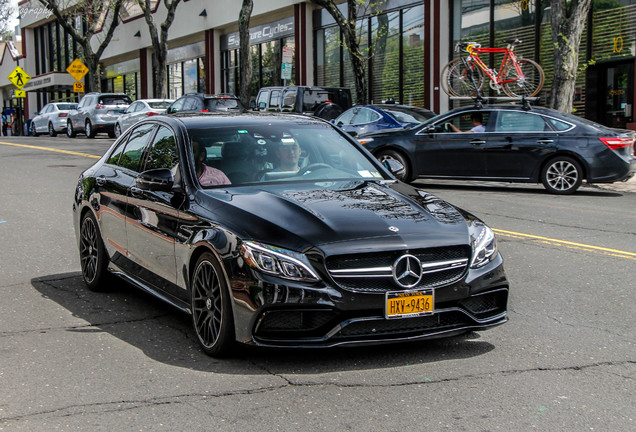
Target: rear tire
x,y
52,131
211,311
69,130
88,129
532,81
93,256
562,175
399,157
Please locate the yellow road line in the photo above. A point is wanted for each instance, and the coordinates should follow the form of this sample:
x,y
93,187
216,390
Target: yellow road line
x,y
52,149
568,244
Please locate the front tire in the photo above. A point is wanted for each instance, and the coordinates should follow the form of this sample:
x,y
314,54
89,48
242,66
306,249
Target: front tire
x,y
407,176
211,311
69,130
52,132
562,175
93,256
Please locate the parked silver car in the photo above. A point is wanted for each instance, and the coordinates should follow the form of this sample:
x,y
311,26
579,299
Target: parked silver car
x,y
139,110
52,118
97,112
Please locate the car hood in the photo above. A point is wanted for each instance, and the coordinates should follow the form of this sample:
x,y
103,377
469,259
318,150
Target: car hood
x,y
352,215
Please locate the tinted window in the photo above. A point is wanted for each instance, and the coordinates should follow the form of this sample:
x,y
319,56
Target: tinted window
x,y
274,99
262,97
365,115
159,105
289,101
408,116
189,104
163,152
559,125
134,148
464,121
114,100
512,121
221,104
66,106
178,105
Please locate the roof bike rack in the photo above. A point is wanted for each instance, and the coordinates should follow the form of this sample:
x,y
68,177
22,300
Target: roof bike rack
x,y
480,100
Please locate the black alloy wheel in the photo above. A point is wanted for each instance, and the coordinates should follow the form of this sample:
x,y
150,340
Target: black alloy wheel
x,y
32,130
396,156
93,257
52,132
88,129
211,312
562,175
69,130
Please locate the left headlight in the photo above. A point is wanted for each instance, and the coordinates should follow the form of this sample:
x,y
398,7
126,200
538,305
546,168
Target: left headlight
x,y
278,262
484,244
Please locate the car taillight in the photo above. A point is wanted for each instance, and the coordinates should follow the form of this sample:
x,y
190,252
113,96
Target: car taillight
x,y
617,143
62,114
98,106
204,110
150,113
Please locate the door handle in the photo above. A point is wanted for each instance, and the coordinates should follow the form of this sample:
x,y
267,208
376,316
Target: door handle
x,y
478,142
545,141
101,180
135,191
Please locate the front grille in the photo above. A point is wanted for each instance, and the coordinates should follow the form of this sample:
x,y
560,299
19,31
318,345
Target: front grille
x,y
381,327
373,272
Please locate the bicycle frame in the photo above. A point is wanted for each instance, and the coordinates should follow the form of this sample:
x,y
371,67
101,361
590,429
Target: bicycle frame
x,y
509,56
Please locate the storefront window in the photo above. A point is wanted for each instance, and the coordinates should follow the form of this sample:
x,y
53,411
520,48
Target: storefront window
x,y
386,57
413,56
190,79
328,57
175,81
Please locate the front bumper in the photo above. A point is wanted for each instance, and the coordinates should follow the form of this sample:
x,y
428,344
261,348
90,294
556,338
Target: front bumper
x,y
276,315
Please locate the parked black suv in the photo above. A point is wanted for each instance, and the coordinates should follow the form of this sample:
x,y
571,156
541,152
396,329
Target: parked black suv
x,y
324,102
203,103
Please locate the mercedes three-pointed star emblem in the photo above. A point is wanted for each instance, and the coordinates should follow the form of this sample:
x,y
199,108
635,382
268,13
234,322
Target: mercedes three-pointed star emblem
x,y
407,271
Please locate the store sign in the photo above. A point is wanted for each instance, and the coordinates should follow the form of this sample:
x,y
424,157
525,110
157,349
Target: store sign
x,y
261,34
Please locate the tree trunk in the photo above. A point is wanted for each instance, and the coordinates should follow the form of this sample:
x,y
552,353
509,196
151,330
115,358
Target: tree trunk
x,y
245,63
568,22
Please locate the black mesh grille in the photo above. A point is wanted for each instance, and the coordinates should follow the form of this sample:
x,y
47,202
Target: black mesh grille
x,y
486,303
274,322
376,328
387,259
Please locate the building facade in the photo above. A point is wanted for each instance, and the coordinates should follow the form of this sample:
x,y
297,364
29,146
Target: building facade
x,y
406,44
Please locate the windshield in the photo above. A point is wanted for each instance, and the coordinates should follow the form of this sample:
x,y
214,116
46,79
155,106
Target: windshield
x,y
405,115
69,106
115,100
277,152
222,104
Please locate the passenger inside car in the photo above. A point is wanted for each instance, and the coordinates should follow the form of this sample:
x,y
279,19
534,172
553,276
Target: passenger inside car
x,y
207,175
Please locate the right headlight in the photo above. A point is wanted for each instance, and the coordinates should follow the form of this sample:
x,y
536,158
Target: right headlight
x,y
484,244
278,262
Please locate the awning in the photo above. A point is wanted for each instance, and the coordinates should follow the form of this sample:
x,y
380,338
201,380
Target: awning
x,y
52,81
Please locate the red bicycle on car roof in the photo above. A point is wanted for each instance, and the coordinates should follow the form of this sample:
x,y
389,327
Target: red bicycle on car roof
x,y
517,77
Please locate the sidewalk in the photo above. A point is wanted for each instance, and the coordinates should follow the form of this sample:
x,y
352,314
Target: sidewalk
x,y
628,186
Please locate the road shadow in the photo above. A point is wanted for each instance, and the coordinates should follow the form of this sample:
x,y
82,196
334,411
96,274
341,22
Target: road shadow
x,y
519,188
165,335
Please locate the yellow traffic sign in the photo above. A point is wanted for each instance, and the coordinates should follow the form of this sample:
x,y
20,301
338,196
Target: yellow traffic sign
x,y
19,77
78,87
19,93
77,69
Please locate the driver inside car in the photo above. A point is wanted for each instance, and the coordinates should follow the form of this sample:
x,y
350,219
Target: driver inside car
x,y
288,155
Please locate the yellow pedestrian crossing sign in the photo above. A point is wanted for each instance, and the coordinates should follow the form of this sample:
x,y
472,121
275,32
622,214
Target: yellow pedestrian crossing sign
x,y
77,69
19,77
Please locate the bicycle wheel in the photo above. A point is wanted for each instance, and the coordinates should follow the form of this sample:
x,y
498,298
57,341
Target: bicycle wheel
x,y
527,86
461,80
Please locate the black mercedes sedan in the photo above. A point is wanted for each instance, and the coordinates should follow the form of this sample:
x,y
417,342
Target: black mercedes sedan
x,y
512,143
282,231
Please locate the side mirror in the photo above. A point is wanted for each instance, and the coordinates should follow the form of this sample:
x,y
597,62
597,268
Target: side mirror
x,y
394,166
159,179
262,105
252,104
430,129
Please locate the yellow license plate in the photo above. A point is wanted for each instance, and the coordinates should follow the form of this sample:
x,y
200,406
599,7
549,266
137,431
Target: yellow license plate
x,y
403,304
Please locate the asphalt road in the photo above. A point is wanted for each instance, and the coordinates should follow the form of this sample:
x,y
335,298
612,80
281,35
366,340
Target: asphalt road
x,y
75,360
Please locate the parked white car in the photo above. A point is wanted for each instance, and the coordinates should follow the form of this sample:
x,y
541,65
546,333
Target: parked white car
x,y
51,118
139,110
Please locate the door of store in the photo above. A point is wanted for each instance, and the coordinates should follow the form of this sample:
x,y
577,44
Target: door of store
x,y
610,93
